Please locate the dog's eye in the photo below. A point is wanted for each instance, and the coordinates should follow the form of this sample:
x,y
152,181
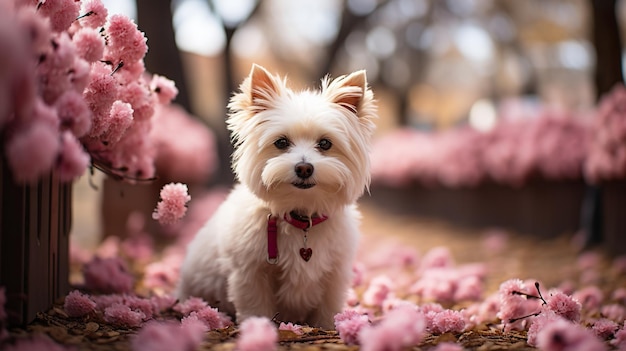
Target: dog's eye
x,y
282,143
324,144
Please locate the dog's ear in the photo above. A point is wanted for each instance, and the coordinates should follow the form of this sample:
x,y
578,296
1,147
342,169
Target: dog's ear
x,y
348,91
263,87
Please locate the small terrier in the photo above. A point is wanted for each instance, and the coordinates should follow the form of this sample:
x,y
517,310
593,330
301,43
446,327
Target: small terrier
x,y
284,240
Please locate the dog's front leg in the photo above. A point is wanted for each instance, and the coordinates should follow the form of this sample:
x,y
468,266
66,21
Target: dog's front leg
x,y
251,293
333,301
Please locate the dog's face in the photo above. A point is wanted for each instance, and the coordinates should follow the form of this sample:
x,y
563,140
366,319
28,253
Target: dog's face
x,y
303,150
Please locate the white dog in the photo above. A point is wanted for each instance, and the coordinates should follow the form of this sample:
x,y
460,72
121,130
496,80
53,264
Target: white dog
x,y
284,241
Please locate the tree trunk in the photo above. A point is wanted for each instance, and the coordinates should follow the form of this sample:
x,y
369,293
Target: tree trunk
x,y
163,58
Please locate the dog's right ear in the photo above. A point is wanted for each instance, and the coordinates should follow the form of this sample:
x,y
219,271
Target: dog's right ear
x,y
264,87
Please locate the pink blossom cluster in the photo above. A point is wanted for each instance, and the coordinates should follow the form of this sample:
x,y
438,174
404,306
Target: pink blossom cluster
x,y
196,309
130,310
398,329
257,334
607,154
552,145
75,91
172,207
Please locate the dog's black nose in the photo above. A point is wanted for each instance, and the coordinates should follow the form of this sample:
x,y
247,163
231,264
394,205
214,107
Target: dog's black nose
x,y
304,170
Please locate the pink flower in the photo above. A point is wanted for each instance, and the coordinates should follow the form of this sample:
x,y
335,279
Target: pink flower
x,y
78,304
437,257
119,120
257,334
614,312
39,342
60,12
564,335
100,94
104,301
195,321
619,295
162,274
604,328
165,336
539,323
400,328
73,113
137,303
37,27
211,317
89,44
514,304
565,306
469,288
122,315
495,240
294,328
165,89
446,321
94,14
107,275
126,43
138,247
32,151
161,303
590,297
139,97
185,148
379,289
172,206
348,324
192,304
620,339
73,160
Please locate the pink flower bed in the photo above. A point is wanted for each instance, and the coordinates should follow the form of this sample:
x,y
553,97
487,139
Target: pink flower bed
x,y
552,145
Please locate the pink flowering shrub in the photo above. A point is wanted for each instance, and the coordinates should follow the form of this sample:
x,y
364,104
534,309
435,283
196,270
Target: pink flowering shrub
x,y
553,145
607,155
77,304
76,94
257,334
172,207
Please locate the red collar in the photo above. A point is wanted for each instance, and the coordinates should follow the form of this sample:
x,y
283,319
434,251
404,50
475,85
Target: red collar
x,y
296,220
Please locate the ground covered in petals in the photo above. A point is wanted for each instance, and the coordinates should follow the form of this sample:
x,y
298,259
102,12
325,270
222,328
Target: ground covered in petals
x,y
452,274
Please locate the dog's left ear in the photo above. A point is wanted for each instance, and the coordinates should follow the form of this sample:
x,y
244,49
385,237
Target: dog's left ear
x,y
263,87
348,91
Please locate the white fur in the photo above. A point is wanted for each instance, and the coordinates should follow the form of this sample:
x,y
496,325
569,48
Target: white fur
x,y
226,262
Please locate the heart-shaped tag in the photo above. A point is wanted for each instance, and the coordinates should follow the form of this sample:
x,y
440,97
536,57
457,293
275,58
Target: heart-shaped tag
x,y
306,253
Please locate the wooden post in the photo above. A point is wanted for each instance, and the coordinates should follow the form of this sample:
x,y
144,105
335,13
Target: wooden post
x,y
35,223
